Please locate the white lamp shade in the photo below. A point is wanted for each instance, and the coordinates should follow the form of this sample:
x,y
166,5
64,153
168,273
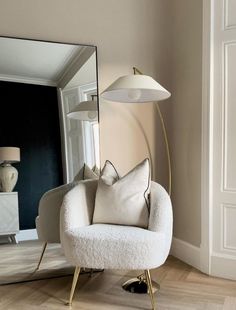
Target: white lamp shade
x,y
135,88
9,154
85,111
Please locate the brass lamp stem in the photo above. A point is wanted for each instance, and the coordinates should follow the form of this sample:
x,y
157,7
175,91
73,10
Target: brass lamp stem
x,y
93,96
167,146
137,71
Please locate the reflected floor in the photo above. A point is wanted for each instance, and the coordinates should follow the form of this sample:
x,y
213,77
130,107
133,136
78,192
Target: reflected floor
x,y
19,261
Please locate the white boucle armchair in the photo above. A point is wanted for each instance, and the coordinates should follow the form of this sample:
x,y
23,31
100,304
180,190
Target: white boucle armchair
x,y
106,246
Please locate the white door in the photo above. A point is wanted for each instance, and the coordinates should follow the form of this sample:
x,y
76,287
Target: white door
x,y
74,140
80,138
223,258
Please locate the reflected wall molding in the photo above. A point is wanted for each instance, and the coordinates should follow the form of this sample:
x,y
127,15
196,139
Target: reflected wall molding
x,y
23,79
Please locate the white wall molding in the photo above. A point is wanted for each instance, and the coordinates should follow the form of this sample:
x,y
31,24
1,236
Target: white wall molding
x,y
186,252
26,80
76,64
227,24
223,266
207,132
28,234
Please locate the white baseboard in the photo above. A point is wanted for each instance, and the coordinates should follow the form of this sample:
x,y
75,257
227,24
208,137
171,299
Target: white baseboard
x,y
186,252
223,266
28,234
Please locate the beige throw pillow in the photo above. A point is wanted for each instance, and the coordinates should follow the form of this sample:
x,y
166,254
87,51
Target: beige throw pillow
x,y
123,200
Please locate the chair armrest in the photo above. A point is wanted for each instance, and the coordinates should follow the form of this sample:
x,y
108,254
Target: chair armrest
x,y
48,221
78,206
161,217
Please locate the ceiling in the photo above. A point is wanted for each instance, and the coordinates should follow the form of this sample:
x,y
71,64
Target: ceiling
x,y
36,61
86,74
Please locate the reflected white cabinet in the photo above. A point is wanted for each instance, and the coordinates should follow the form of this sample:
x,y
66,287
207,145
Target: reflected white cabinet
x,y
9,215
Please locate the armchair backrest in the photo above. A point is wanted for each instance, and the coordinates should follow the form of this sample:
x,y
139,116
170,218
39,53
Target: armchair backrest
x,y
49,213
78,206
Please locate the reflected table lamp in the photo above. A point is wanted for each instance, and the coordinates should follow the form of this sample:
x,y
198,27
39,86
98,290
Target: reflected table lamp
x,y
139,88
8,173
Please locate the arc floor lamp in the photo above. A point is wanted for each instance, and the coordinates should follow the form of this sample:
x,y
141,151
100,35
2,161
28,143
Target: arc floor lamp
x,y
140,88
85,110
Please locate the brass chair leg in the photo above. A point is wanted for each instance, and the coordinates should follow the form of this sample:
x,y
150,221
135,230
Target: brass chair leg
x,y
41,257
150,290
75,279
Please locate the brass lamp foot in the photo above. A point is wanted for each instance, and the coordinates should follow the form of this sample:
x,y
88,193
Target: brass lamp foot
x,y
139,285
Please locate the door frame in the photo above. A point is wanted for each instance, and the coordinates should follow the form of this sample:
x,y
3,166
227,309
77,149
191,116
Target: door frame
x,y
207,137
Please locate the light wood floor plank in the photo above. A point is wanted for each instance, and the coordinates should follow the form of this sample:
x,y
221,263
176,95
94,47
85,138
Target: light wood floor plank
x,y
182,288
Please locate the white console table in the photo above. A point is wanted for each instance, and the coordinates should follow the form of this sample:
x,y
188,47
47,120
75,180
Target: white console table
x,y
9,215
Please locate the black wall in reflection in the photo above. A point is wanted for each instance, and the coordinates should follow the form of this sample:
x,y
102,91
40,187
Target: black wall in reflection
x,y
30,120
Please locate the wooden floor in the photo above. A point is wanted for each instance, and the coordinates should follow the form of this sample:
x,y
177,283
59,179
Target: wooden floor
x,y
18,262
182,288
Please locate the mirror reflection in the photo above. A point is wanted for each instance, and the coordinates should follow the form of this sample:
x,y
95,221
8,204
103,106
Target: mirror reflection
x,y
49,140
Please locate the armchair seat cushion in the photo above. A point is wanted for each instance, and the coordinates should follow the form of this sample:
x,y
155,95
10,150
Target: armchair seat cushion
x,y
114,247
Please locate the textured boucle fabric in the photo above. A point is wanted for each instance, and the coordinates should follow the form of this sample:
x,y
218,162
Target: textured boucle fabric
x,y
114,246
161,217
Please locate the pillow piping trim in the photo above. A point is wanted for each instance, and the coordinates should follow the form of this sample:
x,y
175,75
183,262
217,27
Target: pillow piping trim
x,y
149,177
113,167
83,170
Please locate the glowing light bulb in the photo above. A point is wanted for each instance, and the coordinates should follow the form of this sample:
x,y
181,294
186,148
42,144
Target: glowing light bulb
x,y
92,114
134,94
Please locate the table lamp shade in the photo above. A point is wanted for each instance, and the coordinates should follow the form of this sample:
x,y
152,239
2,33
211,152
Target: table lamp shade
x,y
85,111
9,154
135,88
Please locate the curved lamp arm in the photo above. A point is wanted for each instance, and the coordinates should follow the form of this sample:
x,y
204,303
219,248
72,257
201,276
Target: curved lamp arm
x,y
140,88
137,71
167,147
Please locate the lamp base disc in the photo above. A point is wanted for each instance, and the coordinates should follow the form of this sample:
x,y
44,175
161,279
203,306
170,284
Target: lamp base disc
x,y
138,286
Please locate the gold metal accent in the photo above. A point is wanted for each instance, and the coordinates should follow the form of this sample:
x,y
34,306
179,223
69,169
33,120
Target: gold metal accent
x,y
94,95
150,291
41,257
75,279
139,285
137,71
167,146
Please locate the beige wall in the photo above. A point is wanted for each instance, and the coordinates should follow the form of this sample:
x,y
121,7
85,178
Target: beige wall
x,y
186,72
127,33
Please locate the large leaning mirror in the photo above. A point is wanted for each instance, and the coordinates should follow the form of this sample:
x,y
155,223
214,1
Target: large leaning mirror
x,y
49,133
